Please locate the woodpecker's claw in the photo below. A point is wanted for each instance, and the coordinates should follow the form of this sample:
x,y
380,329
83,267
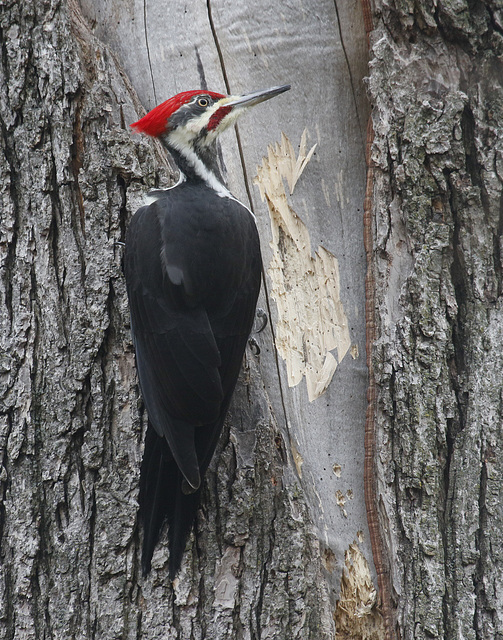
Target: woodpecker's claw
x,y
262,316
253,344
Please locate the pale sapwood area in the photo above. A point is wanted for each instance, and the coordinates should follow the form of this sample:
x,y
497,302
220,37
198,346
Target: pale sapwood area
x,y
281,547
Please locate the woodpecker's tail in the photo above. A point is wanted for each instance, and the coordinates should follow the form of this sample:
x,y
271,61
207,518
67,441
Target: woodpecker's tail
x,y
162,499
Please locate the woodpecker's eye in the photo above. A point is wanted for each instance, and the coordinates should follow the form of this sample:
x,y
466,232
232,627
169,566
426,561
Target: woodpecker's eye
x,y
203,102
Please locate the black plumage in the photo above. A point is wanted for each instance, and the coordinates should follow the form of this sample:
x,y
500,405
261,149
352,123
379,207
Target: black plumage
x,y
193,271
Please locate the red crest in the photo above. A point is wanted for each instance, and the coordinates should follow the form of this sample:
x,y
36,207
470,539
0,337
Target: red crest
x,y
155,122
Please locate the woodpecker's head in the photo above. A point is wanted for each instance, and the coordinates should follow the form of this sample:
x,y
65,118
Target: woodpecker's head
x,y
194,119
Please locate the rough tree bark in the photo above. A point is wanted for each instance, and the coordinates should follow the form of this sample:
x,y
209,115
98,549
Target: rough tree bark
x,y
277,522
436,83
265,560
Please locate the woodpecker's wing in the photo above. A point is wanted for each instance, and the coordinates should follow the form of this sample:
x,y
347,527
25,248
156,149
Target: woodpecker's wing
x,y
176,353
192,282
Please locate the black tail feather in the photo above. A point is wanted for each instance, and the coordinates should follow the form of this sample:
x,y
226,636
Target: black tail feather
x,y
161,499
180,525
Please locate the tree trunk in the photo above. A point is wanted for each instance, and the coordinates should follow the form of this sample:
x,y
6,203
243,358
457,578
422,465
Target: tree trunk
x,y
281,547
436,86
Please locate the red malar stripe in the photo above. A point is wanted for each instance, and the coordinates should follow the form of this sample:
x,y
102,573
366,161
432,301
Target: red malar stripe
x,y
218,116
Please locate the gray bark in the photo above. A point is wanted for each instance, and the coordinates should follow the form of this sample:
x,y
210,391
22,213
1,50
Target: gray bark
x,y
237,48
265,561
272,538
436,83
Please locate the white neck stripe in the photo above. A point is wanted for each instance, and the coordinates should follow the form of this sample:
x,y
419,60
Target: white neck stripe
x,y
204,173
183,146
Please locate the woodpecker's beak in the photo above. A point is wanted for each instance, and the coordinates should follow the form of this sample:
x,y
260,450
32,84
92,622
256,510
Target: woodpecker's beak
x,y
256,97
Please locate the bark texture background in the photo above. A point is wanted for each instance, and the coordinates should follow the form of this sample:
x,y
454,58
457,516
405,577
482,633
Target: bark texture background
x,y
436,83
71,418
272,539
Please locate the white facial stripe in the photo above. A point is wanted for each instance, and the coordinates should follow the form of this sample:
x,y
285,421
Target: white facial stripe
x,y
197,124
181,140
226,122
203,121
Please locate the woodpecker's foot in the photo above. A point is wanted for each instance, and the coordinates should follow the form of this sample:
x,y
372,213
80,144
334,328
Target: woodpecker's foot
x,y
262,320
253,344
120,243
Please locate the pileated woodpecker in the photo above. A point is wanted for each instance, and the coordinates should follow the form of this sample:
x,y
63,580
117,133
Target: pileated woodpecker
x,y
193,270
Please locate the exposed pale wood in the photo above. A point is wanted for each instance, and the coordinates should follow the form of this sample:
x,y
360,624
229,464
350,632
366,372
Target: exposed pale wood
x,y
322,54
268,552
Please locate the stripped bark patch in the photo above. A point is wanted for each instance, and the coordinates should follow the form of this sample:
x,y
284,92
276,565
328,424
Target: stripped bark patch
x,y
312,333
341,501
356,615
297,458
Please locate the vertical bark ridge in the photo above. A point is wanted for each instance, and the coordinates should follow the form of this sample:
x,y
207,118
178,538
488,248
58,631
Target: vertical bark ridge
x,y
71,419
379,551
437,209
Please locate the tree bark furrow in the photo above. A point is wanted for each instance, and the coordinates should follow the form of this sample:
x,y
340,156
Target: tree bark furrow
x,y
438,294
